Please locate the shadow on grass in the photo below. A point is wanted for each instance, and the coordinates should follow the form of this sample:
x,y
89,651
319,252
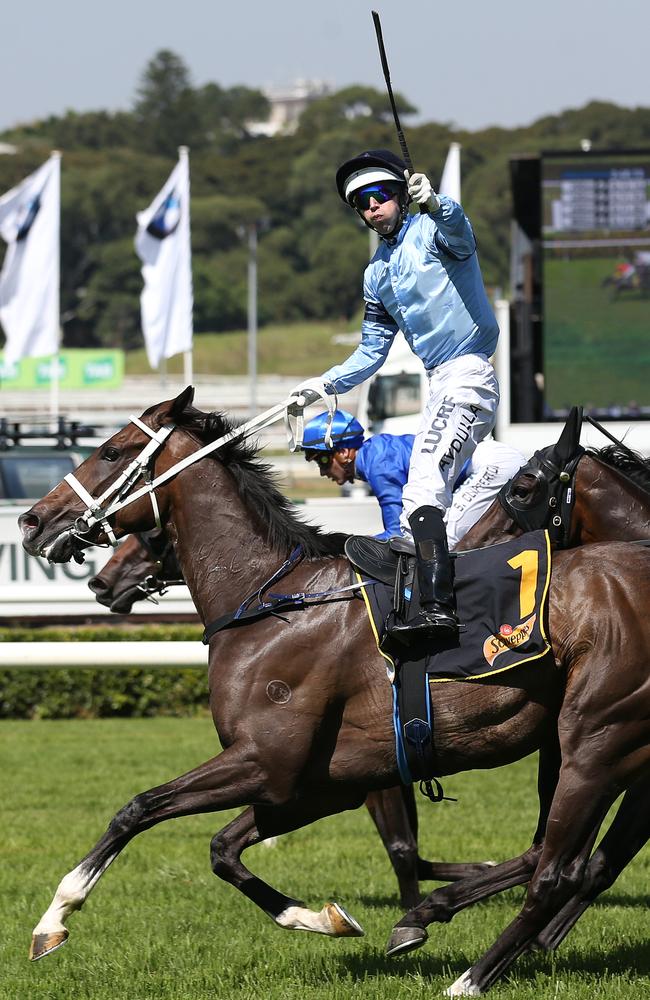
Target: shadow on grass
x,y
373,962
630,960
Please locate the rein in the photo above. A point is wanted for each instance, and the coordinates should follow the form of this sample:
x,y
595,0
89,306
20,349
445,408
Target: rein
x,y
118,496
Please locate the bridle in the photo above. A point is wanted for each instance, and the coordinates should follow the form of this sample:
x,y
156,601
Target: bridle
x,y
99,510
554,469
168,573
555,489
118,495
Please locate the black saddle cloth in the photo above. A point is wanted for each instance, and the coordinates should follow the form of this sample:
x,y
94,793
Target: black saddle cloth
x,y
500,598
501,601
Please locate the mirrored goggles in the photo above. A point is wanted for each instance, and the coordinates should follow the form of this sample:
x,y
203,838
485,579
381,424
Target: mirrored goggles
x,y
382,192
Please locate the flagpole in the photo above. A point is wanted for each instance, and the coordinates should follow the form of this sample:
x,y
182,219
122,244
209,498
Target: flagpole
x,y
54,392
188,373
252,316
54,363
188,366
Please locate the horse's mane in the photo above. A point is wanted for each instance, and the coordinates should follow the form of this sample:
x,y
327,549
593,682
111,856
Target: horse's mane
x,y
258,489
630,463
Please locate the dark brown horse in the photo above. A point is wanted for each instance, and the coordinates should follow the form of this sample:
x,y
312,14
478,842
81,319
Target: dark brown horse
x,y
146,565
604,496
306,721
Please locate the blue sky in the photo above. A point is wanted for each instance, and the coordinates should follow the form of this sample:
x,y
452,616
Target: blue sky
x,y
506,62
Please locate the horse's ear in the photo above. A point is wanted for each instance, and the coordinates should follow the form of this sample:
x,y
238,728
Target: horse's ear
x,y
569,439
181,403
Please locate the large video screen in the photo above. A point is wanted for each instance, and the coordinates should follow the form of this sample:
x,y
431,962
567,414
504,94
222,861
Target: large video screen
x,y
596,283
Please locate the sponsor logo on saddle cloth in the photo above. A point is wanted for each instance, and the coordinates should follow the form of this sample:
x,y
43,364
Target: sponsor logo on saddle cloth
x,y
507,638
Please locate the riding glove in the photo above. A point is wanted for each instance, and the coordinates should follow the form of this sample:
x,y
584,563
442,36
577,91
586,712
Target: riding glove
x,y
311,391
421,192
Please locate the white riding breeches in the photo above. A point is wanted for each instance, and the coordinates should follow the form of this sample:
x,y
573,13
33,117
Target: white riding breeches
x,y
492,466
460,412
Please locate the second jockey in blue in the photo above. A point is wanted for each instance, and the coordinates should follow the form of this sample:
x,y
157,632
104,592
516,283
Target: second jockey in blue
x,y
383,463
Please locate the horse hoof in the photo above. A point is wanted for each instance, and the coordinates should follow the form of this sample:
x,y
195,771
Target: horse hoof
x,y
463,987
44,944
405,939
343,923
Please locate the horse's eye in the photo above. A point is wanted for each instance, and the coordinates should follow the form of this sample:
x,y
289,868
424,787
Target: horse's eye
x,y
111,454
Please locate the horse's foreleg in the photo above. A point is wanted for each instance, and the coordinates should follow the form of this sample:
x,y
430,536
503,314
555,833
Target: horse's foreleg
x,y
224,782
578,810
260,822
394,813
481,881
389,810
628,833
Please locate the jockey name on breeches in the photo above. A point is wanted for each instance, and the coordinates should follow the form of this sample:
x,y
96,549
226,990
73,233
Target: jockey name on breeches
x,y
460,412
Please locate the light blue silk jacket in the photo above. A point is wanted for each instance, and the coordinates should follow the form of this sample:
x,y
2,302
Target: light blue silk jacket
x,y
426,282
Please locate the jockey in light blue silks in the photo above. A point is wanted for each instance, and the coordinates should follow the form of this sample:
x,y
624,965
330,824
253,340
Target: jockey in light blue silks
x,y
424,280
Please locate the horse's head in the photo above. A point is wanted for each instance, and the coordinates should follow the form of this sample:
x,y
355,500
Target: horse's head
x,y
144,565
541,495
87,507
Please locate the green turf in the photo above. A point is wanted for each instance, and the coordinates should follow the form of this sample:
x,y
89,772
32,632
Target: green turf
x,y
287,349
160,925
597,345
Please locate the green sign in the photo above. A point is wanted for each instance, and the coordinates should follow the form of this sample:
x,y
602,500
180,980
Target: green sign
x,y
78,368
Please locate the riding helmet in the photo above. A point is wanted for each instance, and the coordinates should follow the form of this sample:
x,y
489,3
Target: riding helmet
x,y
367,168
346,432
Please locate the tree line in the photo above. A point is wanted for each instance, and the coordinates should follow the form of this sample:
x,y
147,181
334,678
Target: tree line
x,y
312,249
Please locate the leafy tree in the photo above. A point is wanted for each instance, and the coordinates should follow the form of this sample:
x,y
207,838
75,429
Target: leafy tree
x,y
220,291
350,105
92,130
109,305
167,110
225,114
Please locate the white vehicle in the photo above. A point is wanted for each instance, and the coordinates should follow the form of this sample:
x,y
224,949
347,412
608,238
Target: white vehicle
x,y
392,400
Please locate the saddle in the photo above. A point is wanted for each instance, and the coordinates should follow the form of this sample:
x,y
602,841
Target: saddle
x,y
378,559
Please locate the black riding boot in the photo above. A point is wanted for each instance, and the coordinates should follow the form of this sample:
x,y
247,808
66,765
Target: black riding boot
x,y
437,619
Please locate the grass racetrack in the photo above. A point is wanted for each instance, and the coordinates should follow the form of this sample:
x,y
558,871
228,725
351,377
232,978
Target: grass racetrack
x,y
160,926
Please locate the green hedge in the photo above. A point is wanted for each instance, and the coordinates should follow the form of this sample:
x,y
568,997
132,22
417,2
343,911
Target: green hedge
x,y
95,693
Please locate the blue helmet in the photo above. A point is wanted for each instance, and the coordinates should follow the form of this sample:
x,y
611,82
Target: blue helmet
x,y
346,431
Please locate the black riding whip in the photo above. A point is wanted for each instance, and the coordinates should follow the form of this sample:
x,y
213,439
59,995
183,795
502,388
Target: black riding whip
x,y
384,65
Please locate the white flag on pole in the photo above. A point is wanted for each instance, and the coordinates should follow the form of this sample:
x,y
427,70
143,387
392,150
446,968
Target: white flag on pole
x,y
450,181
29,282
162,243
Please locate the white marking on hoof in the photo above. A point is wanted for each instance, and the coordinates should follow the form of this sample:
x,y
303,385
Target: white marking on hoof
x,y
71,894
463,987
270,842
332,920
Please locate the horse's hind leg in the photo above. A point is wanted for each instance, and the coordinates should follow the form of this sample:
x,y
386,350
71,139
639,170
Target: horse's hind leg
x,y
394,813
390,813
224,782
257,823
486,880
628,833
